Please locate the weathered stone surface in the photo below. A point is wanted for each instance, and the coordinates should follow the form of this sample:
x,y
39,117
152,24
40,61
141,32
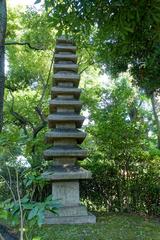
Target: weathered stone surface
x,y
67,192
68,104
66,78
79,210
65,118
63,40
65,91
71,219
65,134
66,57
65,48
65,151
66,173
65,67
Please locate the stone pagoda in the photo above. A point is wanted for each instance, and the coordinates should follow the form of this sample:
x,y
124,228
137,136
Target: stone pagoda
x,y
64,138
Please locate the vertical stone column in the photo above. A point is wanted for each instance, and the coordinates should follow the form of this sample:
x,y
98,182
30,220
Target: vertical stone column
x,y
65,136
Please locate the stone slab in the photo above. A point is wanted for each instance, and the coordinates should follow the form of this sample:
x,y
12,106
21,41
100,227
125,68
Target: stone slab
x,y
65,48
55,91
90,218
65,118
54,104
65,67
65,151
69,211
63,40
67,192
66,76
66,173
65,134
68,57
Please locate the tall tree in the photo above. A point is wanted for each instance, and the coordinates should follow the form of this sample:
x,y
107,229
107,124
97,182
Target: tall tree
x,y
124,34
3,23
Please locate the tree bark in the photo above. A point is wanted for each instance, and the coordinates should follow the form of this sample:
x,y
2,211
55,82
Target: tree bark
x,y
157,121
3,24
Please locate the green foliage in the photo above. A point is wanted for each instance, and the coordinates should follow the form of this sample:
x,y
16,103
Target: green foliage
x,y
125,172
39,32
122,34
31,210
122,155
115,108
114,188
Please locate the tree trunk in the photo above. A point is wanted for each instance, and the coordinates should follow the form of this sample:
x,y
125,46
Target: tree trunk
x,y
153,101
3,23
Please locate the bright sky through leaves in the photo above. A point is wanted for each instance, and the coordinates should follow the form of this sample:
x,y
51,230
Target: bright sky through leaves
x,y
14,3
21,2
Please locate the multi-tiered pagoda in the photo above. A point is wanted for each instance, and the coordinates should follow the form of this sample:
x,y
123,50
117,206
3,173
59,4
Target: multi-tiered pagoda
x,y
65,137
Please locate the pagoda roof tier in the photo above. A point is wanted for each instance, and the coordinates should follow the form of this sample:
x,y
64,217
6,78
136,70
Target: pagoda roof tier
x,y
65,48
66,173
65,134
65,67
65,103
65,151
65,57
67,78
65,118
62,40
55,91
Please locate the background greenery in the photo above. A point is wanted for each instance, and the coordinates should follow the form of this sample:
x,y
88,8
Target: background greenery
x,y
118,52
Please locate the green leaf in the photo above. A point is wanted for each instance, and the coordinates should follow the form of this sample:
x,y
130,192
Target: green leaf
x,y
52,210
37,1
16,209
4,214
49,198
33,213
25,199
29,182
40,217
28,206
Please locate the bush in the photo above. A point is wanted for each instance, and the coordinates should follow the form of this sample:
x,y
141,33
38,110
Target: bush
x,y
115,189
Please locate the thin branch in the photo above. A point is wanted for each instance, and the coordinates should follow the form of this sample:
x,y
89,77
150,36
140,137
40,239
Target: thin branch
x,y
20,206
12,100
10,178
33,191
11,88
22,120
24,44
140,103
12,193
47,82
86,67
38,109
38,128
40,114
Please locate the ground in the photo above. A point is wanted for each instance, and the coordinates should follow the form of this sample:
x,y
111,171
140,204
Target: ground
x,y
110,227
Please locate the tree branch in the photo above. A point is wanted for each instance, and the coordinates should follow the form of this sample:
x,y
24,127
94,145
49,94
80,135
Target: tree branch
x,y
20,206
10,88
24,44
46,84
12,193
22,120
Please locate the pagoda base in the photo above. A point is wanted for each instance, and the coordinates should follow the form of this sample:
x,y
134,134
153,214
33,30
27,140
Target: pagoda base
x,y
70,215
65,189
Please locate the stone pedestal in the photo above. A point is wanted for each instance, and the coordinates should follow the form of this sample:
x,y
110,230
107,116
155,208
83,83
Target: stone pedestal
x,y
64,121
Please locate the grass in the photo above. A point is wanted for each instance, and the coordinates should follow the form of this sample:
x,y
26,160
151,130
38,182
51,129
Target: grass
x,y
110,227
